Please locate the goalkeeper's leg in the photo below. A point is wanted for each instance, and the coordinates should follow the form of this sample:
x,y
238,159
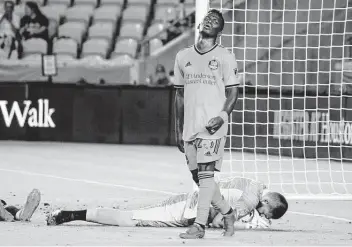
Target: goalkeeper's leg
x,y
168,213
104,216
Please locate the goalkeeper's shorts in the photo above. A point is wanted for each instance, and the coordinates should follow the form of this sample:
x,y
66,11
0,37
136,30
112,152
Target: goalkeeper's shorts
x,y
205,151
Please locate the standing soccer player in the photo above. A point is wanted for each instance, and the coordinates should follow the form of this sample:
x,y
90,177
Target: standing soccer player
x,y
206,93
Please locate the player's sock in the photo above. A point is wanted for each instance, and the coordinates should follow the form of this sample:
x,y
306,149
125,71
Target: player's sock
x,y
206,192
108,216
12,210
219,202
67,216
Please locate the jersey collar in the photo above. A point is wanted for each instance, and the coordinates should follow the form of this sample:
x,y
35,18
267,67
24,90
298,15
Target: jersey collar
x,y
203,53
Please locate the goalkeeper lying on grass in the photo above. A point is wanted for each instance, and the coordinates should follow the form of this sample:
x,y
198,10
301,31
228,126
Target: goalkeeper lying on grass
x,y
254,206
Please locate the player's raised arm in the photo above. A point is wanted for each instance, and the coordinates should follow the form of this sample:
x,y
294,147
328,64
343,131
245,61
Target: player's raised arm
x,y
179,105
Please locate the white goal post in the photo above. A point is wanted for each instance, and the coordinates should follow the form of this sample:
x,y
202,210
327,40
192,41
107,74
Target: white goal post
x,y
292,126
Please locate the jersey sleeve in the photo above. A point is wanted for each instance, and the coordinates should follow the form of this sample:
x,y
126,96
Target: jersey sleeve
x,y
230,71
243,194
179,81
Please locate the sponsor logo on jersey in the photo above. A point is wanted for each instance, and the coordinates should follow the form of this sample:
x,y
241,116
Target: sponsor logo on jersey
x,y
188,64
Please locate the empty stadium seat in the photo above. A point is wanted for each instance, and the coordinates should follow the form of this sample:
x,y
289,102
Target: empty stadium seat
x,y
74,30
79,13
139,2
51,13
34,46
65,47
135,13
92,3
102,30
67,3
164,13
154,45
155,29
168,2
95,47
107,13
59,9
112,2
131,30
125,46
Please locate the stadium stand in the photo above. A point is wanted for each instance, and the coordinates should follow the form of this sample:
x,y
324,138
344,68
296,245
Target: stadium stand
x,y
154,45
115,27
164,13
156,29
125,47
34,46
66,47
107,13
74,30
93,3
101,30
79,13
112,2
95,47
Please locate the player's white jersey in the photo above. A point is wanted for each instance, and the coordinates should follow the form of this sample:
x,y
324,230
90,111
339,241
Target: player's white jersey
x,y
204,77
242,194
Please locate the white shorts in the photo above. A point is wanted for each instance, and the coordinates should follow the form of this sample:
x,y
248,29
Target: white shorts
x,y
204,151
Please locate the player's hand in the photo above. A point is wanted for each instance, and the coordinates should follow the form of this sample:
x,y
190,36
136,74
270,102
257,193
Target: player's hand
x,y
214,125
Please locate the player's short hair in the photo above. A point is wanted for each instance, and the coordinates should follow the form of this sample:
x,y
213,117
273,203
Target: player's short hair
x,y
281,205
218,13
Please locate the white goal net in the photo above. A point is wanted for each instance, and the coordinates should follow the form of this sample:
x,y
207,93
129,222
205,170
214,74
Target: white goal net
x,y
292,127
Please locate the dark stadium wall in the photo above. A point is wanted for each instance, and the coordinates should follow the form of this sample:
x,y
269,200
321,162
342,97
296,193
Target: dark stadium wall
x,y
12,92
263,121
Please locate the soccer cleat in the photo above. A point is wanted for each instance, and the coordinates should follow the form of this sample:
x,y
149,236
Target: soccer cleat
x,y
55,218
229,224
33,200
194,232
4,214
